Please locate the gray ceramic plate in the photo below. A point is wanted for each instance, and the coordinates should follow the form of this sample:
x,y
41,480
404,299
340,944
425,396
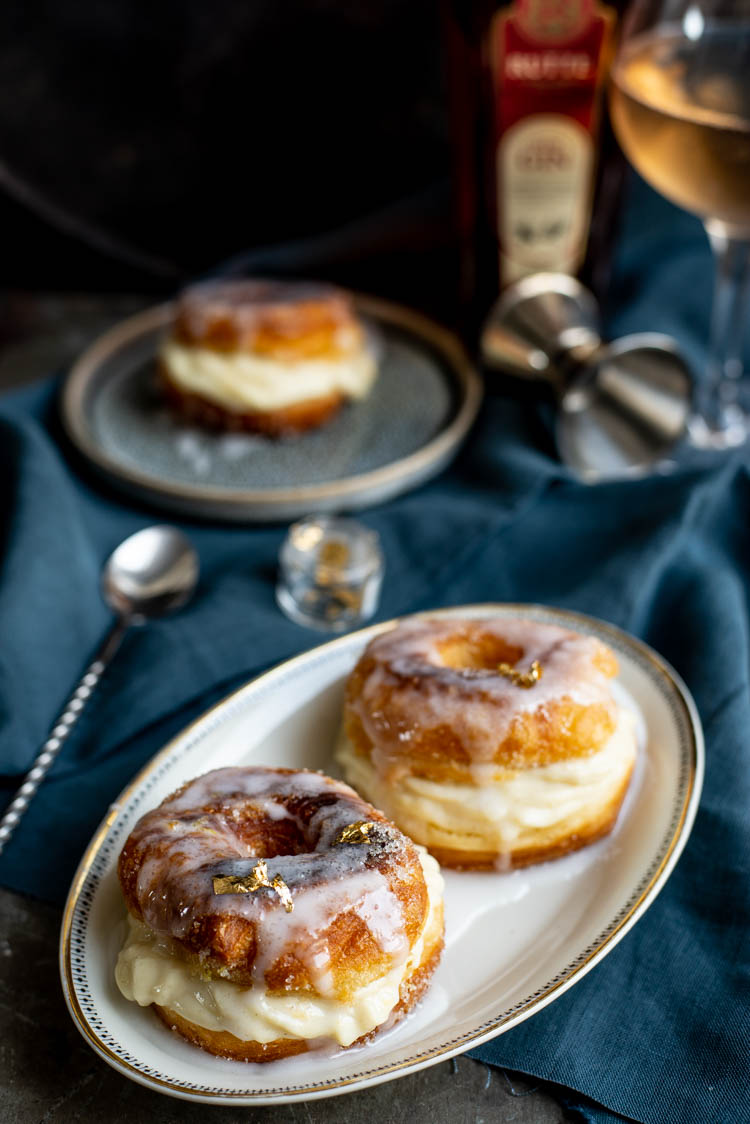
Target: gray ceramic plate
x,y
420,409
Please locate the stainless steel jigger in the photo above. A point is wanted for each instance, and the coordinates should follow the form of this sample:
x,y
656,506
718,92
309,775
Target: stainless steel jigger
x,y
623,406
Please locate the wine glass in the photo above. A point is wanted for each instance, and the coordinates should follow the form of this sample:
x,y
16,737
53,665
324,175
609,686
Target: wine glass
x,y
680,105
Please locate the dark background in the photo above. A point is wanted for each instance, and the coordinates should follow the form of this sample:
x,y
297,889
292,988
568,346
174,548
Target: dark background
x,y
142,144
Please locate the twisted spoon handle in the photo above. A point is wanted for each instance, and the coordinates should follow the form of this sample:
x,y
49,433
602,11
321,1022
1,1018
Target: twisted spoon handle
x,y
60,732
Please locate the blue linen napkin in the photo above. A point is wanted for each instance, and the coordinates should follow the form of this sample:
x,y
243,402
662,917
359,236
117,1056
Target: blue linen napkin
x,y
659,1031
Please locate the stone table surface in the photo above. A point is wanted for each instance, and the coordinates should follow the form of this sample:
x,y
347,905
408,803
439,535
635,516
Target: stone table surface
x,y
48,1075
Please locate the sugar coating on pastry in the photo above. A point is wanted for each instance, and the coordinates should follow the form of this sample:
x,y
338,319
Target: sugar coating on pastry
x,y
481,769
349,943
272,356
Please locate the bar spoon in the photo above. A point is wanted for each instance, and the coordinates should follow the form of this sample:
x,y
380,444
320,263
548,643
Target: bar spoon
x,y
151,573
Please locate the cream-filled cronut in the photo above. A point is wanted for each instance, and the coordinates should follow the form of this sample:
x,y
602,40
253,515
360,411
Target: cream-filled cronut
x,y
340,936
269,356
489,768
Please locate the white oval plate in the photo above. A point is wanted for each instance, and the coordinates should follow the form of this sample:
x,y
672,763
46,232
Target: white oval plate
x,y
556,920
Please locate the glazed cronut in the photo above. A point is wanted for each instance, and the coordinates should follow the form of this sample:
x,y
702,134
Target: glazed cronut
x,y
473,766
269,356
238,974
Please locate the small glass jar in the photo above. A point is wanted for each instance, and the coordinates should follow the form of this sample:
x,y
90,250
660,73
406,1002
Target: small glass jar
x,y
330,573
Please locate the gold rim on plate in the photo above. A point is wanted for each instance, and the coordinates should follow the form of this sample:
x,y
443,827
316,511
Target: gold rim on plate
x,y
687,721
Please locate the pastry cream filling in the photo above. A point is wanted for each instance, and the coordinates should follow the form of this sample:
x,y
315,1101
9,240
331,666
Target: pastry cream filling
x,y
149,970
239,381
503,808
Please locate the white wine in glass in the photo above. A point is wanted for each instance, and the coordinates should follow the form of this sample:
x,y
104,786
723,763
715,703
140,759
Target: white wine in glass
x,y
680,103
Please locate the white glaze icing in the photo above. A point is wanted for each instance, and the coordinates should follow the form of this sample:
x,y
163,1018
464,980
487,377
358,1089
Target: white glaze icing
x,y
509,808
182,846
241,381
252,308
411,688
150,969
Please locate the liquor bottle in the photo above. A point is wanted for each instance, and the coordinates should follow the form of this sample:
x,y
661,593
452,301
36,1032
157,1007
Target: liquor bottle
x,y
538,171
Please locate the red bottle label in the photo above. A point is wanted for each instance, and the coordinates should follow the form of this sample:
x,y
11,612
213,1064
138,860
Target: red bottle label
x,y
548,59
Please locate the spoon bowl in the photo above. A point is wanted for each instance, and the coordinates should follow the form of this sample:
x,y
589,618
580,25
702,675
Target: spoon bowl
x,y
151,573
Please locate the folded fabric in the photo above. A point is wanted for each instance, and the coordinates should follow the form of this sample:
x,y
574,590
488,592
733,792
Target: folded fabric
x,y
658,1032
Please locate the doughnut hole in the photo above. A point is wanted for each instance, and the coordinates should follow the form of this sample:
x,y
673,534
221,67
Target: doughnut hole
x,y
478,651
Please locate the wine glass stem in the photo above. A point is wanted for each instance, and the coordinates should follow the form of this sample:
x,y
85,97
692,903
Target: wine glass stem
x,y
718,393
